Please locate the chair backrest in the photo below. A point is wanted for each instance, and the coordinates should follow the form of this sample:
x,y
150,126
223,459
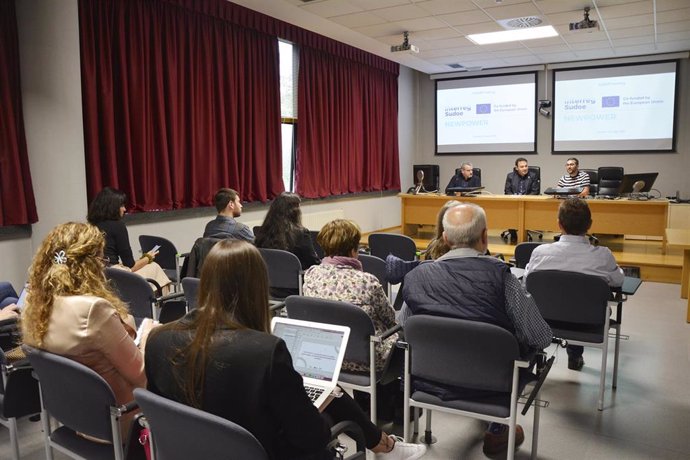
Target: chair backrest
x,y
382,244
536,170
523,252
74,394
482,355
166,253
317,247
193,263
190,286
182,432
610,179
377,267
284,268
593,180
570,298
340,313
133,290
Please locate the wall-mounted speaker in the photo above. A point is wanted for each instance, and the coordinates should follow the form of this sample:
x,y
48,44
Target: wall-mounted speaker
x,y
431,176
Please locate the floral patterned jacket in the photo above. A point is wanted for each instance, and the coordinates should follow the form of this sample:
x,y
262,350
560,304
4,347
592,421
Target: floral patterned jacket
x,y
347,284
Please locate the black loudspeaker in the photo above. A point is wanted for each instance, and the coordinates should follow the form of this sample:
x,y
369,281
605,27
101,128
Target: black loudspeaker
x,y
431,178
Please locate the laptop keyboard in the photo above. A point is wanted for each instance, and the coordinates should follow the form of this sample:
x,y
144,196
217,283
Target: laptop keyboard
x,y
313,392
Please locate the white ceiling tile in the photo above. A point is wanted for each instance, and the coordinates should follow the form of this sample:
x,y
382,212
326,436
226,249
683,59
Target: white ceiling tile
x,y
399,13
428,23
358,19
673,15
468,17
673,27
647,31
630,21
375,4
446,6
380,30
330,8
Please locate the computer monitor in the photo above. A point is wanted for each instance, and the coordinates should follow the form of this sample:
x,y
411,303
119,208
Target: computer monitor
x,y
646,180
462,190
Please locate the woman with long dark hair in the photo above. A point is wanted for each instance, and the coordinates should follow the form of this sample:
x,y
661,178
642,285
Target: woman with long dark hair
x,y
222,359
282,229
105,212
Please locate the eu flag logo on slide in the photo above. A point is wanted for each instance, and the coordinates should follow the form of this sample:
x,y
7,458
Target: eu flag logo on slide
x,y
483,108
610,101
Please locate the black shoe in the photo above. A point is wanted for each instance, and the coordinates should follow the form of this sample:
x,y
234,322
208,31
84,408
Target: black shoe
x,y
576,363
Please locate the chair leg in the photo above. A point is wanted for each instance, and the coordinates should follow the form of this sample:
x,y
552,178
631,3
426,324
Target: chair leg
x,y
602,377
511,439
615,358
535,431
45,421
428,438
14,437
406,399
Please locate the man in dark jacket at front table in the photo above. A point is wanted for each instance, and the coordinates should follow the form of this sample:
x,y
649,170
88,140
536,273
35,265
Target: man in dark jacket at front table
x,y
466,284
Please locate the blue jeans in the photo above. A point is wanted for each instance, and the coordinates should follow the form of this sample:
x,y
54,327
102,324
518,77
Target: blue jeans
x,y
7,294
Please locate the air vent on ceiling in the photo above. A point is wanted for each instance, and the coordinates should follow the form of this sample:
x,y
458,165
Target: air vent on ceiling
x,y
520,23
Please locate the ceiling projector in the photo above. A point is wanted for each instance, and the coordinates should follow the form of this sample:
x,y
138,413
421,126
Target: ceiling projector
x,y
586,25
406,46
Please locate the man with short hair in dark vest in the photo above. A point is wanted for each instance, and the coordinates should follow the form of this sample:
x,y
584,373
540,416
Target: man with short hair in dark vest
x,y
466,284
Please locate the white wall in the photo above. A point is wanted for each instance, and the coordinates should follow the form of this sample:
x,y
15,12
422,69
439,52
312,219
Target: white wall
x,y
673,168
51,92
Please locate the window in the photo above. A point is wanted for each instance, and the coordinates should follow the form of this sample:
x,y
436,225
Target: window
x,y
288,109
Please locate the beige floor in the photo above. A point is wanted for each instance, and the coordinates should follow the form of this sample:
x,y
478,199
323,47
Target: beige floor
x,y
647,417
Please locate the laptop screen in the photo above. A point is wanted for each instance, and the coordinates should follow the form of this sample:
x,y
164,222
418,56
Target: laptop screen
x,y
314,350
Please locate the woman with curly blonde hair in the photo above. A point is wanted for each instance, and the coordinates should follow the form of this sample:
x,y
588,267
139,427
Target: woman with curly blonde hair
x,y
71,311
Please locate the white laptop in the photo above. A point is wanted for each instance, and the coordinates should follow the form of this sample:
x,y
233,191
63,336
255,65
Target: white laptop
x,y
317,351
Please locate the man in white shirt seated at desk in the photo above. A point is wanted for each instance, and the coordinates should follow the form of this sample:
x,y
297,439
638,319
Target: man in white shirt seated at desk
x,y
573,252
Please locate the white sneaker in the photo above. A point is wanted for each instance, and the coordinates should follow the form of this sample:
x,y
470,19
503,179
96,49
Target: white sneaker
x,y
403,450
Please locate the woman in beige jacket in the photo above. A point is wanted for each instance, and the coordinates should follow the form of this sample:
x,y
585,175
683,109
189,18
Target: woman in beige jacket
x,y
71,311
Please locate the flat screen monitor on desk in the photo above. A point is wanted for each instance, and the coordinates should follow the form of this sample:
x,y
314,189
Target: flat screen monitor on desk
x,y
463,190
644,183
563,191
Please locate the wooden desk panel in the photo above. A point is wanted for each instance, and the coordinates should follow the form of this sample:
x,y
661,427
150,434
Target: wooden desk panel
x,y
677,237
541,213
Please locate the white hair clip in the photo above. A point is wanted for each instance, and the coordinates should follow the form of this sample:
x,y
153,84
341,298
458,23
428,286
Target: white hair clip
x,y
60,258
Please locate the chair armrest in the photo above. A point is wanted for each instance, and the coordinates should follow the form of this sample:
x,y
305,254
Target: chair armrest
x,y
171,296
276,305
387,333
182,254
124,409
352,430
157,287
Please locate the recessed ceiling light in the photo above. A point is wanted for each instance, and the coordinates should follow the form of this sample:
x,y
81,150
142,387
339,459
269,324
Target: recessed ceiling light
x,y
529,33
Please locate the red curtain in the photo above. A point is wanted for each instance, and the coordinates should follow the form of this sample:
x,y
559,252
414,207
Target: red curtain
x,y
17,205
347,126
177,103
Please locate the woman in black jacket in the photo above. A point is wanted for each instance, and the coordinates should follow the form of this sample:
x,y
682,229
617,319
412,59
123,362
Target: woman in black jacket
x,y
221,358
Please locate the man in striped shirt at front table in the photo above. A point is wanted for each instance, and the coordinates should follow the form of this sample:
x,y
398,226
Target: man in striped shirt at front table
x,y
574,177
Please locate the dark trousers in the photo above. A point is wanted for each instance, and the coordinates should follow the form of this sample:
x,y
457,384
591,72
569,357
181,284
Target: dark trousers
x,y
345,408
574,351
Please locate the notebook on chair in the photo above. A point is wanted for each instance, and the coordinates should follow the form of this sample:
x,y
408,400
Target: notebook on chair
x,y
317,351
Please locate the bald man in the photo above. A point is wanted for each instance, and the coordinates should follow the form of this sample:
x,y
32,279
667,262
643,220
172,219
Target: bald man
x,y
466,284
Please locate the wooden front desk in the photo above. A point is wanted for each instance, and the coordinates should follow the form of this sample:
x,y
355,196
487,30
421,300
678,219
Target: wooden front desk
x,y
540,212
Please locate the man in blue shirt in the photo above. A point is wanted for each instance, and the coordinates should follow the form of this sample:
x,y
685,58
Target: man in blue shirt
x,y
229,207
